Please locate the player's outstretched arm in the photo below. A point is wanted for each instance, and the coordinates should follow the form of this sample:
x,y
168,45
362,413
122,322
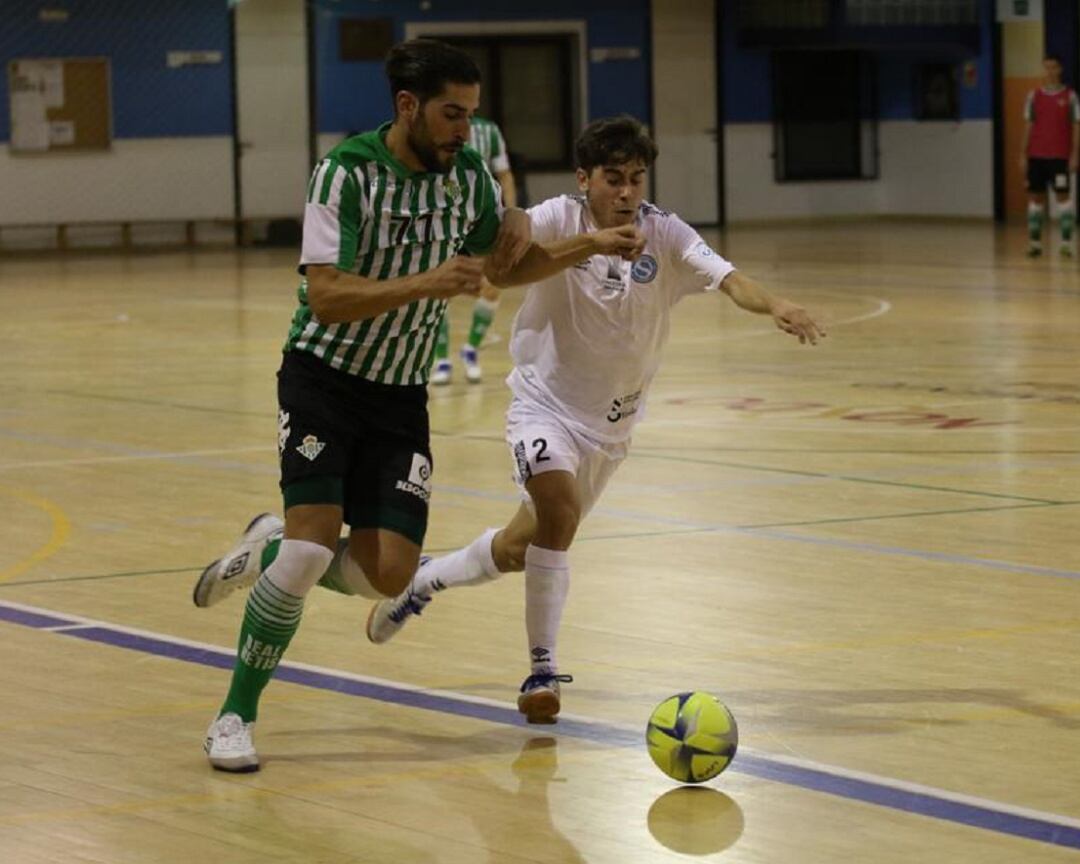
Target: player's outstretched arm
x,y
336,296
544,260
789,317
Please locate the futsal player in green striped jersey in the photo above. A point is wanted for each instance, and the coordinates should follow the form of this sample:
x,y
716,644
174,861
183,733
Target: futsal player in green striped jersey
x,y
397,221
487,139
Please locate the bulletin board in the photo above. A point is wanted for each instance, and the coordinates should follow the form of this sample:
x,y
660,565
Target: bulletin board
x,y
59,104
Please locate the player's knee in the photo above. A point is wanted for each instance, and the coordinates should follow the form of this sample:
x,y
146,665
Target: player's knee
x,y
391,577
557,521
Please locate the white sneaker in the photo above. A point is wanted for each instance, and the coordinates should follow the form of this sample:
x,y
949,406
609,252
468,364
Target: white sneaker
x,y
388,616
228,745
473,373
240,566
442,373
540,697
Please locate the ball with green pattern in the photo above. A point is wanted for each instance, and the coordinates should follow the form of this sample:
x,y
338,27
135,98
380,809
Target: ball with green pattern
x,y
692,737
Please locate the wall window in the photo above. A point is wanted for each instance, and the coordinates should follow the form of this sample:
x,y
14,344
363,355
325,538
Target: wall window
x,y
529,87
824,116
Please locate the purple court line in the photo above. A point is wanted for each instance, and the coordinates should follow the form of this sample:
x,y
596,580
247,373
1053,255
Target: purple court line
x,y
908,800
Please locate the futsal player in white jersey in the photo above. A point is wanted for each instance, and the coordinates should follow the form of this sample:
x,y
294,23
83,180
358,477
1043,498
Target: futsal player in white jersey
x,y
586,344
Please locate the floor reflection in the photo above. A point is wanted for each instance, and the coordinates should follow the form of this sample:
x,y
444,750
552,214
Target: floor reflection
x,y
695,820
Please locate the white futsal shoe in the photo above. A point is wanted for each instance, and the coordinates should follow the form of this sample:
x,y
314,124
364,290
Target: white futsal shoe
x,y
540,697
240,566
442,373
228,745
471,360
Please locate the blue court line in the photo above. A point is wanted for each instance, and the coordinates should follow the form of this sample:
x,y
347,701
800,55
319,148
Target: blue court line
x,y
909,798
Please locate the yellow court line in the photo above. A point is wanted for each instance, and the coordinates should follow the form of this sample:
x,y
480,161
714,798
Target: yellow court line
x,y
61,530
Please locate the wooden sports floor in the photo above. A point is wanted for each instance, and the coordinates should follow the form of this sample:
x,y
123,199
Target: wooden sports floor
x,y
869,550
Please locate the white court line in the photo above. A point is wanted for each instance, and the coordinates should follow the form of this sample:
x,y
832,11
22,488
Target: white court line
x,y
883,308
454,696
138,457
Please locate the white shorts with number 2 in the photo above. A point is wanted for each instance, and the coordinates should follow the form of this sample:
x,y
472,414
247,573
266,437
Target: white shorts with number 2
x,y
540,441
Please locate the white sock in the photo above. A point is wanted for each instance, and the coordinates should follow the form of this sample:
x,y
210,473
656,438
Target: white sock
x,y
473,565
298,566
547,582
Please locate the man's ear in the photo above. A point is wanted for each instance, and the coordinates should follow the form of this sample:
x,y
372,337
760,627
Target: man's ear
x,y
406,104
582,180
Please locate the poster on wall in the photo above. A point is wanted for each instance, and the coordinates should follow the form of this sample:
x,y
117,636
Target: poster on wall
x,y
1019,10
32,90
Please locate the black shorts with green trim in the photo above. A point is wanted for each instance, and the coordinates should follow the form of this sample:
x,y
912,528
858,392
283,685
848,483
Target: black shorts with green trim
x,y
354,443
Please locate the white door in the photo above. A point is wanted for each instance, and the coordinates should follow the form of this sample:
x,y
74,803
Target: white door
x,y
272,107
684,100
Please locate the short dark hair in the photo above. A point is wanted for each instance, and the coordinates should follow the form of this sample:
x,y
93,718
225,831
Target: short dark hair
x,y
614,141
425,66
1055,58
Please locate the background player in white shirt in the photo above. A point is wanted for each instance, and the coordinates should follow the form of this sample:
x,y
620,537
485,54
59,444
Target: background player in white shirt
x,y
586,344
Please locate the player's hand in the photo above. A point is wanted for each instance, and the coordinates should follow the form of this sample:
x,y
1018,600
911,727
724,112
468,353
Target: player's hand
x,y
513,240
796,321
626,241
461,274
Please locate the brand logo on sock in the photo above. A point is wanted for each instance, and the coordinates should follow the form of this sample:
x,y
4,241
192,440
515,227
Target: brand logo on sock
x,y
540,655
310,447
419,482
260,655
236,566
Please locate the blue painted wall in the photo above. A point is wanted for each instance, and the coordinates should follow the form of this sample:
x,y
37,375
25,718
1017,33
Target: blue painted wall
x,y
148,99
748,89
354,96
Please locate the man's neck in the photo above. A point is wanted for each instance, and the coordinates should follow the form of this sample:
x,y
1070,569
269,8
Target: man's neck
x,y
397,142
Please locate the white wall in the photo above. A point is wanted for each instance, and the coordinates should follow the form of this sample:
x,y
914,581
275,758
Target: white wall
x,y
684,107
926,169
140,178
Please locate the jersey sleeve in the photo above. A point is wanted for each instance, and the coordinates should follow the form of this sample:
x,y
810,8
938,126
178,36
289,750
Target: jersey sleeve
x,y
500,160
545,219
489,209
331,217
698,267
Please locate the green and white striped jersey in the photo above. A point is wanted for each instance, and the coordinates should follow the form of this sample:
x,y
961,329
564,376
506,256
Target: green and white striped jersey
x,y
368,214
486,139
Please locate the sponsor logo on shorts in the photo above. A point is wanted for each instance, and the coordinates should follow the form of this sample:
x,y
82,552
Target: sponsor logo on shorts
x,y
644,269
310,447
419,482
624,406
521,457
283,430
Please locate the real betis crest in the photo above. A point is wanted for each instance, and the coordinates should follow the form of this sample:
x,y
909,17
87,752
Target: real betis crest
x,y
310,447
452,189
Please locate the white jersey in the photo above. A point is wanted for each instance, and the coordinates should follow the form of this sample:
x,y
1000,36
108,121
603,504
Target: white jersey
x,y
587,342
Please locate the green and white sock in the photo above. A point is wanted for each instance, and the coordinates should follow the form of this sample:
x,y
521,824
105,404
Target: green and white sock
x,y
271,618
442,339
1035,224
1067,216
482,316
